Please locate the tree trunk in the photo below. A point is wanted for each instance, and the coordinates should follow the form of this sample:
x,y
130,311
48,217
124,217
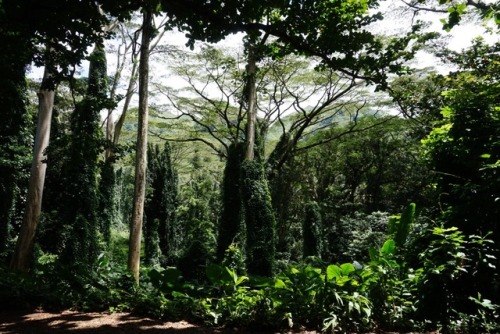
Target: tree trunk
x,y
141,150
24,247
128,98
110,128
251,102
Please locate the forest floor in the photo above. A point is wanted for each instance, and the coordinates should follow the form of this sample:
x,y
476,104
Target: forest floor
x,y
44,322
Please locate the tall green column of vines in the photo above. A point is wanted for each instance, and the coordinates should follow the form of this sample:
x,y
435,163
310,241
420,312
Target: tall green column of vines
x,y
230,226
259,218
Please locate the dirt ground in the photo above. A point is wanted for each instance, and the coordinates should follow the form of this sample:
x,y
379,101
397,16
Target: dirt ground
x,y
43,322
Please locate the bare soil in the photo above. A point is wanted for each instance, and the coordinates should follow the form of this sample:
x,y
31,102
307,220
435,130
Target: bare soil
x,y
44,322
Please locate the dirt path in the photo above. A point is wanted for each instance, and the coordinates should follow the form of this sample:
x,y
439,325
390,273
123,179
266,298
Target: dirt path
x,y
42,322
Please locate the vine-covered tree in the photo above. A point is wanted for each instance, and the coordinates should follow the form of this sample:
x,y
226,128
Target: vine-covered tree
x,y
81,171
231,228
65,38
259,219
161,200
197,220
312,230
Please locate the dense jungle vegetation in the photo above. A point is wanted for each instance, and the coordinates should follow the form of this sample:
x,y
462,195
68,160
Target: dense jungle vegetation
x,y
311,176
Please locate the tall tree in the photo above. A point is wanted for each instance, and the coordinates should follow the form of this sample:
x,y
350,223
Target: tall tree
x,y
161,198
25,242
259,216
141,147
66,38
250,94
82,169
230,225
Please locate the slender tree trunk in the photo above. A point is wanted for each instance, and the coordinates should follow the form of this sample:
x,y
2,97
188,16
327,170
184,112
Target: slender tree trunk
x,y
128,98
110,127
22,255
141,150
252,103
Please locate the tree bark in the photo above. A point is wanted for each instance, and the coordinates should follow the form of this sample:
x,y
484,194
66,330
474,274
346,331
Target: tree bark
x,y
24,247
112,130
128,98
251,102
141,150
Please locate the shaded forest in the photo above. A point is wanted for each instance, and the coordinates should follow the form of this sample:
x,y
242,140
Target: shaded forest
x,y
310,175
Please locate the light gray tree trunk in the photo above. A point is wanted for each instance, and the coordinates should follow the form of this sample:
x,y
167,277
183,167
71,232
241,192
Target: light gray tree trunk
x,y
141,150
24,247
251,103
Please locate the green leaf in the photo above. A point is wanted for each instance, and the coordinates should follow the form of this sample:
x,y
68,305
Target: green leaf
x,y
461,8
388,248
333,271
279,284
347,268
241,279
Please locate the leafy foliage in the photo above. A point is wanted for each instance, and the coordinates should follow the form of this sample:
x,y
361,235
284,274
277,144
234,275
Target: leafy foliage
x,y
463,149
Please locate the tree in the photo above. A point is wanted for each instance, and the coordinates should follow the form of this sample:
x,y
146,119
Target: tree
x,y
418,97
306,28
457,10
107,200
311,230
128,41
65,44
293,101
259,219
374,169
24,246
464,154
141,147
161,199
52,234
81,197
313,28
194,240
462,148
231,225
